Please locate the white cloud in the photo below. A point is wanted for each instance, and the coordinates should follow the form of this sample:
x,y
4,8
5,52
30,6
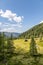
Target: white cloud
x,y
11,16
8,30
1,11
41,22
0,23
17,19
9,27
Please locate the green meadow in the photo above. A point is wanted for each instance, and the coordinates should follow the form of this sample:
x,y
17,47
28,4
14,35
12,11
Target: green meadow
x,y
25,45
23,57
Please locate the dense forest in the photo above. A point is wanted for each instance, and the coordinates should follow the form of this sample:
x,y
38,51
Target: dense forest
x,y
35,31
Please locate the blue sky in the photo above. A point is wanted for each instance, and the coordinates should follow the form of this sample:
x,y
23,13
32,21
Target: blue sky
x,y
20,15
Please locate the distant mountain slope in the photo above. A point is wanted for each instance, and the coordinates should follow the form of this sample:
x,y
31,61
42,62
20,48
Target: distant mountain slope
x,y
36,31
8,34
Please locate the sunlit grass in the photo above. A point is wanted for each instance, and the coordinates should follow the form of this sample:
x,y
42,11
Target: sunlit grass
x,y
25,45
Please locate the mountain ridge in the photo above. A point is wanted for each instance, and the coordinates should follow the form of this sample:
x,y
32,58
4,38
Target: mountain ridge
x,y
36,31
8,34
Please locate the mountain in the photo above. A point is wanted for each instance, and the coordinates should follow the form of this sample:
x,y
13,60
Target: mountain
x,y
35,31
8,34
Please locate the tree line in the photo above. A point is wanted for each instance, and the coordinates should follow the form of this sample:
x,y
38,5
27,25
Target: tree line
x,y
36,31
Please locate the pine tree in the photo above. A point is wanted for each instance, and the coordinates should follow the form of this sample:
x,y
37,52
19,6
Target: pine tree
x,y
10,47
33,49
2,47
41,37
33,53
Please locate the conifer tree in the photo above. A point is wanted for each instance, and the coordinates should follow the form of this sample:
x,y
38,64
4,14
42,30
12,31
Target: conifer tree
x,y
1,44
2,47
41,37
33,49
10,47
33,52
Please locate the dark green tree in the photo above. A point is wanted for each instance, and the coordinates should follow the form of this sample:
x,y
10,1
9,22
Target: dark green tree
x,y
2,47
33,49
10,49
33,53
41,37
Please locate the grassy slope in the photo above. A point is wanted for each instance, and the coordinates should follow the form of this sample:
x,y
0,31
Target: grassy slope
x,y
21,44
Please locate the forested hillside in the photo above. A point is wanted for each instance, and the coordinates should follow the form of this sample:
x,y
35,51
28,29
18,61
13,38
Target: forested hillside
x,y
20,51
35,31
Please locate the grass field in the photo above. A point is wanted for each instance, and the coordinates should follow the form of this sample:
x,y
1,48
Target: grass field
x,y
22,56
25,46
